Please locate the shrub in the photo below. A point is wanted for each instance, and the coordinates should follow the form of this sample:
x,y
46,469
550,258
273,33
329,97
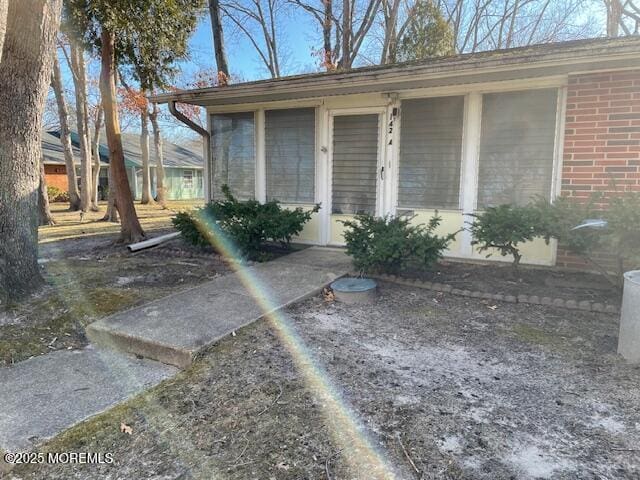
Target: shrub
x,y
504,228
245,227
622,234
391,244
57,195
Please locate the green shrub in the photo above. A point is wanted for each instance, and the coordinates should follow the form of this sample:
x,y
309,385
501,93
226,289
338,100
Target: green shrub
x,y
504,228
391,244
621,237
57,195
244,227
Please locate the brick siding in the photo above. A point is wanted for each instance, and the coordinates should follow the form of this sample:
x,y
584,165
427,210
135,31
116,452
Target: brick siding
x,y
56,176
602,140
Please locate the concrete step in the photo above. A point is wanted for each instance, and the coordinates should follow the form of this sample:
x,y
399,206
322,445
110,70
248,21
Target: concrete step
x,y
45,395
176,328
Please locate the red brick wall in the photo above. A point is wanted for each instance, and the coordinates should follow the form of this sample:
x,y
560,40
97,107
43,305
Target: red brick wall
x,y
602,139
602,134
56,176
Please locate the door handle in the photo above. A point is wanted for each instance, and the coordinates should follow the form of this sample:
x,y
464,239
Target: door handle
x,y
382,173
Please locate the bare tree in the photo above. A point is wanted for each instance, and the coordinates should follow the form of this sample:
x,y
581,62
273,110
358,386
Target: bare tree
x,y
95,152
257,20
44,212
222,64
4,5
65,136
78,69
144,150
322,12
25,74
622,15
161,192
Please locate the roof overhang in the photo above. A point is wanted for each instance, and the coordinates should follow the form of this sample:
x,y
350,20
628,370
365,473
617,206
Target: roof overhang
x,y
545,60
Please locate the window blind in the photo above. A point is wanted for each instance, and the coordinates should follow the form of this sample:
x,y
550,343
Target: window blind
x,y
233,147
430,152
355,164
516,146
290,154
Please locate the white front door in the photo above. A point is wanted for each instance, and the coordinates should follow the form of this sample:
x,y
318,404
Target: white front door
x,y
356,173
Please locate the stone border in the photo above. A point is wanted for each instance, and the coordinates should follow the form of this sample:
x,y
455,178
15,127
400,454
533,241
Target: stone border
x,y
583,305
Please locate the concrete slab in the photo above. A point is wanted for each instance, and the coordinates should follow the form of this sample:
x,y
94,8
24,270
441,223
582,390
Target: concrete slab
x,y
175,328
45,395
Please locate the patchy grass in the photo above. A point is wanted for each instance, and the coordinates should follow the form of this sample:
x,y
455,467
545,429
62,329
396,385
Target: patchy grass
x,y
89,285
68,224
461,390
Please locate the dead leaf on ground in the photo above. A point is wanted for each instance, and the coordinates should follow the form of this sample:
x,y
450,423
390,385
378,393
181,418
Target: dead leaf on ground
x,y
124,428
328,294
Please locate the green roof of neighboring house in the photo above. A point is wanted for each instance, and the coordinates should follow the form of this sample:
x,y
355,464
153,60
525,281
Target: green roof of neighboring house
x,y
175,156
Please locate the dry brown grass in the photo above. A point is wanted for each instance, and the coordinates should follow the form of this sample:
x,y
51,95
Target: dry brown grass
x,y
68,224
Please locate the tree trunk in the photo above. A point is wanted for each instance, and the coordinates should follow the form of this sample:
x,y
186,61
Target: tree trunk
x,y
218,38
345,62
614,14
65,136
82,124
25,73
130,228
4,5
326,35
161,193
144,150
112,212
95,152
44,212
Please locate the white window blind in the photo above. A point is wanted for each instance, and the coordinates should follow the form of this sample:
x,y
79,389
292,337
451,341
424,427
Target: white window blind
x,y
430,152
355,164
516,146
234,159
290,154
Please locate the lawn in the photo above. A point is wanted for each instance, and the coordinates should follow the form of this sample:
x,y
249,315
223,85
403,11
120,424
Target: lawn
x,y
441,386
68,224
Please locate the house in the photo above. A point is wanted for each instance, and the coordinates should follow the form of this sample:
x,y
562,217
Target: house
x,y
453,134
55,168
183,165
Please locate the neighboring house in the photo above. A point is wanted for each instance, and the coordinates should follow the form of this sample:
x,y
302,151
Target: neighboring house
x,y
183,165
454,134
55,168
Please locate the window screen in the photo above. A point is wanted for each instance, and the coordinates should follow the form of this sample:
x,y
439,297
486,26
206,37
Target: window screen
x,y
355,163
234,161
290,154
430,152
516,146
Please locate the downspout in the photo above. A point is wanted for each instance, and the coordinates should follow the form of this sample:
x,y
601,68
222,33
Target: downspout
x,y
206,136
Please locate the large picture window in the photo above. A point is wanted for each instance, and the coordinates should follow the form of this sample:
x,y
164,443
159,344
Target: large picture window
x,y
516,147
430,152
234,159
290,154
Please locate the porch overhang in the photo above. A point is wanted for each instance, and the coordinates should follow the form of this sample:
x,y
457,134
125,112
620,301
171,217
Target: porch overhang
x,y
563,58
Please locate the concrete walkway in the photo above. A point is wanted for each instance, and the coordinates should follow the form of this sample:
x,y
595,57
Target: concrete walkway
x,y
43,396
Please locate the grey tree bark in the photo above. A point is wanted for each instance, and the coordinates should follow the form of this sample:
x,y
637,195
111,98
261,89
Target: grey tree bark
x,y
44,212
65,136
25,73
111,214
161,193
222,63
4,4
95,152
144,150
82,124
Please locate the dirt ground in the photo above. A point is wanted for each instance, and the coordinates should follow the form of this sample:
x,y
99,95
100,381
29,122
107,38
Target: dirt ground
x,y
443,387
91,277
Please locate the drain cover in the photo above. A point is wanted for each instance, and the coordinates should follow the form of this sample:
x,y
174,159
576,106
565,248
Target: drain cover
x,y
355,290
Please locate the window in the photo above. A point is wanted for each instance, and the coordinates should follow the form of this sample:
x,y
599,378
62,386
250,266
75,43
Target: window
x,y
187,179
234,159
355,164
290,154
430,152
516,146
